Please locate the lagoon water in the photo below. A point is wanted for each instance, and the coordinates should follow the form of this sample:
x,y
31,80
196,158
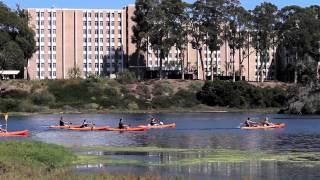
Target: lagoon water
x,y
194,131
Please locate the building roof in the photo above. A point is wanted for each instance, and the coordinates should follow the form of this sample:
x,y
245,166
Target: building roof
x,y
9,72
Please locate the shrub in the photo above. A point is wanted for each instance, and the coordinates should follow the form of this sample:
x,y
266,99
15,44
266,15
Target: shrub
x,y
162,88
161,102
184,98
126,77
42,98
240,94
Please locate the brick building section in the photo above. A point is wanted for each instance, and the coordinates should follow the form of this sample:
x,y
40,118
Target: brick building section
x,y
88,39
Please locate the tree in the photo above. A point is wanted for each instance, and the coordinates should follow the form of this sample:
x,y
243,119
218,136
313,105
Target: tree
x,y
215,14
17,42
299,35
264,20
179,32
74,73
160,37
197,30
143,9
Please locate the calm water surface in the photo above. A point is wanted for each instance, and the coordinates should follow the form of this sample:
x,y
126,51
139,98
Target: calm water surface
x,y
194,130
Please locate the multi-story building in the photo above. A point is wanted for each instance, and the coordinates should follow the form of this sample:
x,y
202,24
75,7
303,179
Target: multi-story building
x,y
98,41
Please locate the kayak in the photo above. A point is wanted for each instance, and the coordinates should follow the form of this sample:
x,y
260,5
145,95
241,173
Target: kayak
x,y
98,128
173,125
276,125
15,133
65,126
128,129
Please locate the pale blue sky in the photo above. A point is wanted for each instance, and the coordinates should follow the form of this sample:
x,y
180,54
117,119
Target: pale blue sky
x,y
114,4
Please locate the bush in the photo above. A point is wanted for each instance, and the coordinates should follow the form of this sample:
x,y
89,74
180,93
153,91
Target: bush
x,y
42,98
184,98
240,95
161,102
126,77
163,88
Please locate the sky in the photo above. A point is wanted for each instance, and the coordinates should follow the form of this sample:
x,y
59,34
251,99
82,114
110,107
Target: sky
x,y
116,4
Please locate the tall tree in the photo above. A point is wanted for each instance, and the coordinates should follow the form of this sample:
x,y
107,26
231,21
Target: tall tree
x,y
143,9
160,28
179,30
198,31
17,42
299,35
264,20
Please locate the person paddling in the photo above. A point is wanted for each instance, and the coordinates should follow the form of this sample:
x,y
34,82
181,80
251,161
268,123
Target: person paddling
x,y
266,122
155,122
85,123
249,123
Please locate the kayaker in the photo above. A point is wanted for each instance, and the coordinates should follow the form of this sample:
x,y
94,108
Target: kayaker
x,y
121,125
248,123
84,124
61,122
266,122
155,122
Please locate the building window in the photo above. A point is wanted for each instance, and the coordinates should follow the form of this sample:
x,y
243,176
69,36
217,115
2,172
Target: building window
x,y
89,31
101,48
42,39
89,56
53,48
119,15
42,31
101,39
96,31
96,23
38,14
119,40
42,14
101,23
54,73
112,15
96,65
119,23
96,40
119,31
84,14
112,31
89,48
84,31
89,14
89,40
101,14
96,15
96,48
112,23
85,48
54,23
96,56
38,65
89,23
101,31
84,23
42,23
54,31
84,39
85,65
112,40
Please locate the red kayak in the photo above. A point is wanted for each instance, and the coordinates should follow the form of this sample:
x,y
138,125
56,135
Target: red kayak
x,y
15,133
173,125
98,128
273,126
65,126
127,129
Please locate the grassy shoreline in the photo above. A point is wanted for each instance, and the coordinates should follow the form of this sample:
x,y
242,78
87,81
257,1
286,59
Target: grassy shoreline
x,y
37,160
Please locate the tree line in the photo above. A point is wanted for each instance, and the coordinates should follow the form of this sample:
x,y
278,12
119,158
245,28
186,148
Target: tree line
x,y
293,31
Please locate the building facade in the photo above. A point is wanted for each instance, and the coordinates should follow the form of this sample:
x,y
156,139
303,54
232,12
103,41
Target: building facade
x,y
98,42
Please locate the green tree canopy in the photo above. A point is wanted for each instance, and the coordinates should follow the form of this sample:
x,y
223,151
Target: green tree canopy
x,y
17,42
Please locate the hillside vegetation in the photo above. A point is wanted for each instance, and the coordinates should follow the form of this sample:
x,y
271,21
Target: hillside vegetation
x,y
97,94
